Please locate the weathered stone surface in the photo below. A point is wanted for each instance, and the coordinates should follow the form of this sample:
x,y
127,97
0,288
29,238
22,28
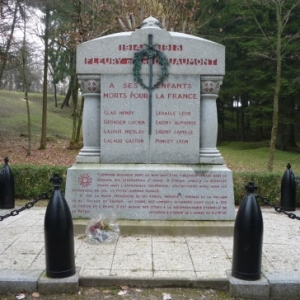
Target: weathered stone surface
x,y
127,135
67,285
187,54
151,192
149,120
258,289
14,281
284,285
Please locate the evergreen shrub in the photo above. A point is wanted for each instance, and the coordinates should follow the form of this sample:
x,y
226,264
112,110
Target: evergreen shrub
x,y
31,181
268,183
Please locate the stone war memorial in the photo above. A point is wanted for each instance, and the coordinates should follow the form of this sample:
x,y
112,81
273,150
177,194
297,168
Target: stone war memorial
x,y
150,128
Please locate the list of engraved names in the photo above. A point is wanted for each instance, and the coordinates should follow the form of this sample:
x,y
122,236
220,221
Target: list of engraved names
x,y
171,127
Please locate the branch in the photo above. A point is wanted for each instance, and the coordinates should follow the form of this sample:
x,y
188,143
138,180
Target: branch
x,y
263,55
290,38
122,25
260,27
286,17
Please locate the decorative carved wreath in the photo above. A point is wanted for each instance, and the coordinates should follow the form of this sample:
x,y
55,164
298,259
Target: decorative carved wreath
x,y
153,53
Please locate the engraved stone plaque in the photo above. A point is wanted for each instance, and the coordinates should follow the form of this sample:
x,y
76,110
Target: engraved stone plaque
x,y
156,192
127,135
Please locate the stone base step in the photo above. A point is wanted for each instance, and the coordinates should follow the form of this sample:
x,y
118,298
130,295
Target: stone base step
x,y
170,228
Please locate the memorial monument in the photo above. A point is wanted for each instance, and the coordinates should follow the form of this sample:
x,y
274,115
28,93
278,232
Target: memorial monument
x,y
150,128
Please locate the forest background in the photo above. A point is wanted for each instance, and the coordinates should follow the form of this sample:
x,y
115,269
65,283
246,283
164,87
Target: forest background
x,y
259,98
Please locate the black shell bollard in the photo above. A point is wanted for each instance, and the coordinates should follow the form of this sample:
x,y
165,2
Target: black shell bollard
x,y
7,187
288,190
248,238
59,236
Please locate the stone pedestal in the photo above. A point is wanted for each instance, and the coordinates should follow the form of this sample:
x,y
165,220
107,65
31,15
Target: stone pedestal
x,y
90,87
209,154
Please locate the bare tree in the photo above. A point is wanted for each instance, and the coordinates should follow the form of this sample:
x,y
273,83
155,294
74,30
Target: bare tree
x,y
8,34
25,82
176,15
43,142
277,46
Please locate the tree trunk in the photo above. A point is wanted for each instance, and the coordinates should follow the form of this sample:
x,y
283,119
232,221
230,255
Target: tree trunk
x,y
55,94
67,98
243,126
74,93
25,87
75,107
9,40
79,124
277,91
291,139
237,124
43,143
261,129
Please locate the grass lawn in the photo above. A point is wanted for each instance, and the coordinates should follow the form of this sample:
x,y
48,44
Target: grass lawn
x,y
13,116
253,157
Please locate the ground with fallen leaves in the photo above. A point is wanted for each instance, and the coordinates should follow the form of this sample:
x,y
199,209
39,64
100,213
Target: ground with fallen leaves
x,y
128,293
56,153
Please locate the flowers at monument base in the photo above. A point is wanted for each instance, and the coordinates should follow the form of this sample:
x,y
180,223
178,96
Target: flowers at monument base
x,y
102,230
